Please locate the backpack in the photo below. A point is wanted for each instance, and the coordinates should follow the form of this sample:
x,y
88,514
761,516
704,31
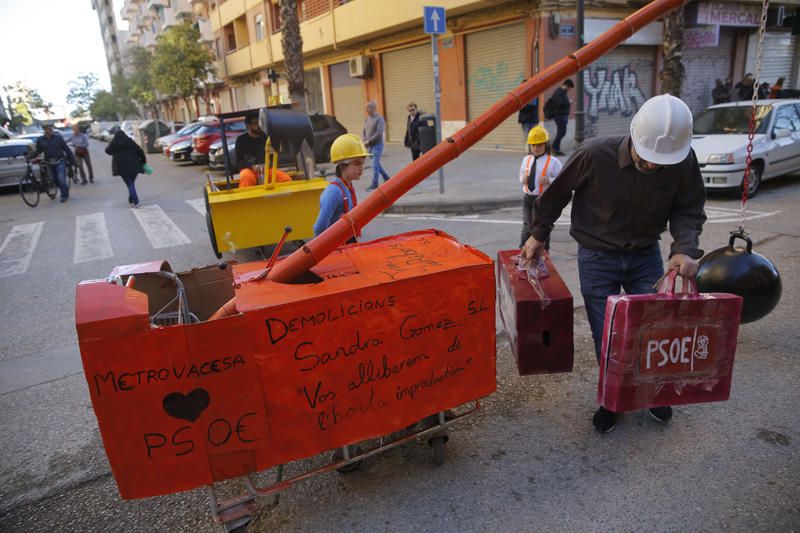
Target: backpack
x,y
549,109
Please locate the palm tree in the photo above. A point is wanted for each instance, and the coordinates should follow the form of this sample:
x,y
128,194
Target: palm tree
x,y
292,44
672,74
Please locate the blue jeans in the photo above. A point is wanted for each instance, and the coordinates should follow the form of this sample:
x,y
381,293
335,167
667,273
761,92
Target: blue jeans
x,y
603,274
59,174
133,198
377,170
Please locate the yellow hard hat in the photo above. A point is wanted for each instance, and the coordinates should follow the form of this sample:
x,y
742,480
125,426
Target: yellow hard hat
x,y
538,135
347,146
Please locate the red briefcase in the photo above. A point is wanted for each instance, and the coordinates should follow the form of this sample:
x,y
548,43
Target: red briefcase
x,y
668,348
537,315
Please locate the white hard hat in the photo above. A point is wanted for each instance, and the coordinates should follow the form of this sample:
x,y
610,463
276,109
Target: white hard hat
x,y
661,130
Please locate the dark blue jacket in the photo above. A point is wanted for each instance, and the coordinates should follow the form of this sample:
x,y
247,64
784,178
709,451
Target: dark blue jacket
x,y
54,148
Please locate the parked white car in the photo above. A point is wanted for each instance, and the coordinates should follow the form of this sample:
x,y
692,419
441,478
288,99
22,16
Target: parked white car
x,y
720,142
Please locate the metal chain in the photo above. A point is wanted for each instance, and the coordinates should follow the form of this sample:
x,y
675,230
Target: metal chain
x,y
752,130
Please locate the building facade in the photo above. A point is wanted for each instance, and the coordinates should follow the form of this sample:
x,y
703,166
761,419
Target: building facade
x,y
113,38
361,50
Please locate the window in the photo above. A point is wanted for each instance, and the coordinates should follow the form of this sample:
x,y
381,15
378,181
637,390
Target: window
x,y
231,42
275,17
786,118
259,24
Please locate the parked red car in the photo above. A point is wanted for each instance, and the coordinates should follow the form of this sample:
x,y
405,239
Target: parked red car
x,y
183,135
208,134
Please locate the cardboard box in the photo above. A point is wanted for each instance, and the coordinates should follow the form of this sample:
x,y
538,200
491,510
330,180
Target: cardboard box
x,y
391,331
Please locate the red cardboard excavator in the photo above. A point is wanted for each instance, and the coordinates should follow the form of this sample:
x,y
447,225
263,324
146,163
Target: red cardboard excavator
x,y
214,374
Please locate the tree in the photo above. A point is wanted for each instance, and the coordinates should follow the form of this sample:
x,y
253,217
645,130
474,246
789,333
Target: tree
x,y
140,84
181,64
673,71
81,92
22,100
104,106
292,44
120,88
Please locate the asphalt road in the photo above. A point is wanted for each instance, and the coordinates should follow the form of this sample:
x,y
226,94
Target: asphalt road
x,y
529,460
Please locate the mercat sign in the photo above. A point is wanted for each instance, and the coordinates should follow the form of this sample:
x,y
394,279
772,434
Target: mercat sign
x,y
741,15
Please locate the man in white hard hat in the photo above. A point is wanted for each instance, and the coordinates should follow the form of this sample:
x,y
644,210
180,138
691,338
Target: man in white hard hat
x,y
627,189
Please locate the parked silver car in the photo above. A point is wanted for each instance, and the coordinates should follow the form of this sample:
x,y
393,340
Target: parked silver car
x,y
12,161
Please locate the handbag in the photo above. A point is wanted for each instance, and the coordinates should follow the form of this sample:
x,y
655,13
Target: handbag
x,y
668,348
81,151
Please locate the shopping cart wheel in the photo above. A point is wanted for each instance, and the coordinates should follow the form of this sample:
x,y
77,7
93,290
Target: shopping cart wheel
x,y
351,467
237,526
437,445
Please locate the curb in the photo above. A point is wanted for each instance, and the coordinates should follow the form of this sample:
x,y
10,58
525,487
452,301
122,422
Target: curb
x,y
457,207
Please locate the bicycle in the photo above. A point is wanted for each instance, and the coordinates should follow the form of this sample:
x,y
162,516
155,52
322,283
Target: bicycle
x,y
31,186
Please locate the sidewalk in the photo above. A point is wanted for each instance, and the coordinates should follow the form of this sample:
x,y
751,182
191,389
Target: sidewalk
x,y
478,180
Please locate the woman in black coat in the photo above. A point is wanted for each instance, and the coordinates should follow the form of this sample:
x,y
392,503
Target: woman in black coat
x,y
127,160
411,140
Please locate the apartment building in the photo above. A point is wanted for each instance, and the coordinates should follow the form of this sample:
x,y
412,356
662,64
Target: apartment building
x,y
113,38
147,19
361,50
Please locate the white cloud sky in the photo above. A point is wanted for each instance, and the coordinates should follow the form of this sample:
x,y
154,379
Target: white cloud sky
x,y
47,43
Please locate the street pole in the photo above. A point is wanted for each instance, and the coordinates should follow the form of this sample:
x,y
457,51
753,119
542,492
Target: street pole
x,y
580,114
437,94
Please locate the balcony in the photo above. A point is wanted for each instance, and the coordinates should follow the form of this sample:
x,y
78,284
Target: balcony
x,y
238,62
204,27
182,8
168,19
129,8
152,4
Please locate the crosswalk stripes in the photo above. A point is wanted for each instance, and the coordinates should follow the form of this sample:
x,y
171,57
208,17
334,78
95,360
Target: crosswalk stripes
x,y
199,205
159,228
18,247
91,238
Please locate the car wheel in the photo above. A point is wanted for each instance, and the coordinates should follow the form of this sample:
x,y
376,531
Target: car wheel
x,y
754,182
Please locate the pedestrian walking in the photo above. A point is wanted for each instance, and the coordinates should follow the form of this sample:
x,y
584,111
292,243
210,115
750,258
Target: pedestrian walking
x,y
763,91
81,143
627,189
744,89
56,155
372,134
348,153
557,108
720,94
538,170
775,90
528,117
411,140
127,161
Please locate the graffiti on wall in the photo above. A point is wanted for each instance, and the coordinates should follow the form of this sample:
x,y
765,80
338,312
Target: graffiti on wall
x,y
496,82
701,73
613,92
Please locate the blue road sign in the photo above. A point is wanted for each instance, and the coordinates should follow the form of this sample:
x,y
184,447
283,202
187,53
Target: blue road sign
x,y
435,21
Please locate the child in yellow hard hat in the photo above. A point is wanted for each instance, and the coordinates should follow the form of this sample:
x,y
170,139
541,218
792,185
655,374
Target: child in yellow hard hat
x,y
348,154
539,168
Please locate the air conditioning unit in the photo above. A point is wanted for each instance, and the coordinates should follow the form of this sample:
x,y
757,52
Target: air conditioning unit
x,y
360,67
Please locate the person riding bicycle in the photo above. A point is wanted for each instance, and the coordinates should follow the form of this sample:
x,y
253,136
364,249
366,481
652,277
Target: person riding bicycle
x,y
56,155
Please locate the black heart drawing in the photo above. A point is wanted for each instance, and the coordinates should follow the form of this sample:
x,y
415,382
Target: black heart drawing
x,y
186,407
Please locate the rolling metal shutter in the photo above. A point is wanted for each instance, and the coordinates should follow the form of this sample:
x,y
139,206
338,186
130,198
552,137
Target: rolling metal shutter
x,y
778,56
495,66
615,86
703,67
348,104
407,77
